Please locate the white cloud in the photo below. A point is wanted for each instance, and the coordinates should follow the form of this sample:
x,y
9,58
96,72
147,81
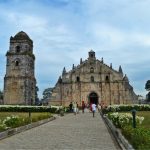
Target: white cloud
x,y
64,32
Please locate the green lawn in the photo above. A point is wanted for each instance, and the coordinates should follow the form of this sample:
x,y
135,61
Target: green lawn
x,y
23,119
146,115
35,116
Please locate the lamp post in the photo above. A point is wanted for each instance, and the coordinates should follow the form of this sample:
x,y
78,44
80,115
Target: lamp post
x,y
134,118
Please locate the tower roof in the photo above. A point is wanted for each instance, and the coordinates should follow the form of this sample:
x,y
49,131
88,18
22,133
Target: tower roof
x,y
21,36
91,51
91,55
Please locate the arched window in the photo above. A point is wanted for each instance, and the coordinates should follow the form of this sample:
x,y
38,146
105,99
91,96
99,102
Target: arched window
x,y
78,79
92,79
107,79
16,63
17,49
91,70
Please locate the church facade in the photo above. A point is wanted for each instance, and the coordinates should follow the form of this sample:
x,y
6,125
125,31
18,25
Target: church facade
x,y
94,82
19,80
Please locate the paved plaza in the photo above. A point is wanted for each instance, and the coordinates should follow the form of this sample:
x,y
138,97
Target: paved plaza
x,y
71,132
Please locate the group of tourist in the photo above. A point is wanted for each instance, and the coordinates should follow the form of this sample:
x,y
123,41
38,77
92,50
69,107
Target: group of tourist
x,y
74,107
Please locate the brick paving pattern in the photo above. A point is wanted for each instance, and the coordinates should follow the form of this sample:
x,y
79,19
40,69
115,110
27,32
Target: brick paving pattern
x,y
71,132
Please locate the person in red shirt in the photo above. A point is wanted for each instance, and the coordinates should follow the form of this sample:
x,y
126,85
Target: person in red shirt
x,y
83,106
91,107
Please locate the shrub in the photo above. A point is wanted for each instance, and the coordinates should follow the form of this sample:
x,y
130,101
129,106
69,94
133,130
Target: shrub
x,y
122,119
13,121
121,108
138,137
2,126
19,108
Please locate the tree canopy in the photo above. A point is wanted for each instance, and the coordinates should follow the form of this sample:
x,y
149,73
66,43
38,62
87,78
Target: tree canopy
x,y
1,94
47,93
147,85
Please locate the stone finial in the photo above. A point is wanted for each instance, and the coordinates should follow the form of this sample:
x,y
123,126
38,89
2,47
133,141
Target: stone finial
x,y
111,65
80,61
64,71
102,60
73,67
59,79
125,78
11,38
120,70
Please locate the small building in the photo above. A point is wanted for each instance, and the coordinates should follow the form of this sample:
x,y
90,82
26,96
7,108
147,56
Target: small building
x,y
94,82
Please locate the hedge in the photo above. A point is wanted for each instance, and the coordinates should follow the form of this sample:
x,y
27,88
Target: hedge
x,y
18,108
122,108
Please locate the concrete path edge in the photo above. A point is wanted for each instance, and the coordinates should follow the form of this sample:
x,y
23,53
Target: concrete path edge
x,y
121,140
13,131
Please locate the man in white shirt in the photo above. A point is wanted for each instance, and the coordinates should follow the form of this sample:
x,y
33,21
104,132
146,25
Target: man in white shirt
x,y
93,109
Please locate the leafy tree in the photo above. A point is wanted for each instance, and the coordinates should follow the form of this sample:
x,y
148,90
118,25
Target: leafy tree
x,y
147,87
47,93
148,96
1,95
36,95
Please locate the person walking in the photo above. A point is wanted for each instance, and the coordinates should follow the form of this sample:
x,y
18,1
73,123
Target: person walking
x,y
93,109
90,107
83,106
75,108
70,107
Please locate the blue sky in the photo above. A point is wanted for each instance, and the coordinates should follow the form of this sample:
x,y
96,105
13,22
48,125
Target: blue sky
x,y
63,31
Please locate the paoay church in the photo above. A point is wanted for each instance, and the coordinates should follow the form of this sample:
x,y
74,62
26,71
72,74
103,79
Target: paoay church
x,y
94,82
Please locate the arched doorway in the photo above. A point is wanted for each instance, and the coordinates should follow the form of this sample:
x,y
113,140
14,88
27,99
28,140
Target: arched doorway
x,y
93,98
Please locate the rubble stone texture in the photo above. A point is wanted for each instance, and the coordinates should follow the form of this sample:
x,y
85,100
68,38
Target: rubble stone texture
x,y
94,82
19,80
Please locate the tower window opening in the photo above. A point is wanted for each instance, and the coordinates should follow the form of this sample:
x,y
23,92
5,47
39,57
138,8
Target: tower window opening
x,y
17,49
92,55
92,79
107,79
17,63
78,79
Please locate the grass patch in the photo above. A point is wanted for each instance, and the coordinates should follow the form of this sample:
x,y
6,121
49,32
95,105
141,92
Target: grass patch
x,y
146,115
34,115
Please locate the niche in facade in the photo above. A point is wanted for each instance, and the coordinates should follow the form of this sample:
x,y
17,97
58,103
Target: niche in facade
x,y
92,79
91,70
78,79
107,79
18,49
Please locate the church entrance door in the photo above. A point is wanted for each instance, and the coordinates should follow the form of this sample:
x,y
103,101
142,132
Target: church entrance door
x,y
93,98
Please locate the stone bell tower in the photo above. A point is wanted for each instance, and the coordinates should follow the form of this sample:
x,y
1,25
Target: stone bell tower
x,y
19,80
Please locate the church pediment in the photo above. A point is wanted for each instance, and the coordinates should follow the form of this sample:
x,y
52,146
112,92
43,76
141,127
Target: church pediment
x,y
91,68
